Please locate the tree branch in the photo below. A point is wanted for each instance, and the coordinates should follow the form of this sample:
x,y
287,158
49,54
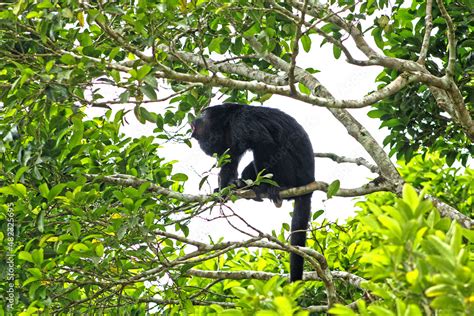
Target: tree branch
x,y
316,9
247,193
428,27
451,39
295,51
342,159
226,67
350,278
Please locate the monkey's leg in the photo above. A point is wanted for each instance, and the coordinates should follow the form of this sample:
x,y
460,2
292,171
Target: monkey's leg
x,y
249,172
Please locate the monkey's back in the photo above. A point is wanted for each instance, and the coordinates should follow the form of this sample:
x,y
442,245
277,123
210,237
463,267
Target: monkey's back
x,y
279,143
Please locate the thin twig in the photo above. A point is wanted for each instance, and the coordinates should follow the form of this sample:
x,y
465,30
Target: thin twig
x,y
342,159
291,72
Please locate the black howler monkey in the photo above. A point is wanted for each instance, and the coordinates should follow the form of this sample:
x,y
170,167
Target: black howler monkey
x,y
280,146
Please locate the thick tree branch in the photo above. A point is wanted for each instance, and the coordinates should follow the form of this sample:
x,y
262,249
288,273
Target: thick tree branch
x,y
350,278
446,210
126,180
225,67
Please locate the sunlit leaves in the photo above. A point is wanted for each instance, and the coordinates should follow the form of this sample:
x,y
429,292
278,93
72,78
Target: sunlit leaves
x,y
434,260
17,189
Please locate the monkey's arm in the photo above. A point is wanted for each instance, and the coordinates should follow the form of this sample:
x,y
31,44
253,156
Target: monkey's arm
x,y
228,173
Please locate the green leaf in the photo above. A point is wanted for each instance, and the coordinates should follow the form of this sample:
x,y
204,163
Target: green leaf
x,y
377,34
49,65
254,29
239,291
179,177
440,246
144,115
214,45
317,214
412,276
375,114
392,123
38,256
75,229
20,173
439,289
380,310
124,96
339,309
114,53
149,92
17,8
392,225
306,42
116,76
304,89
16,189
151,81
149,218
40,221
30,280
68,59
99,250
77,132
142,72
410,196
283,305
43,188
24,255
35,272
55,191
333,188
413,310
336,50
45,4
203,180
447,302
80,247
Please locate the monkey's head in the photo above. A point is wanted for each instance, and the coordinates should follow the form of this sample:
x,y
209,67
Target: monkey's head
x,y
211,130
200,127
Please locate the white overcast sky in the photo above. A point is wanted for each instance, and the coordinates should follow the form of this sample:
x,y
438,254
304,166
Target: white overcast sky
x,y
344,81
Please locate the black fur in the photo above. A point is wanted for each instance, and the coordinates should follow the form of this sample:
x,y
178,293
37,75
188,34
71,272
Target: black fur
x,y
279,145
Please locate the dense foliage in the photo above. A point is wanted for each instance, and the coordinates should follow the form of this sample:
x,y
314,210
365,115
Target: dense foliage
x,y
95,222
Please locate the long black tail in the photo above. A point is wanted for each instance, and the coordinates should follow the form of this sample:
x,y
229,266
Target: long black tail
x,y
299,225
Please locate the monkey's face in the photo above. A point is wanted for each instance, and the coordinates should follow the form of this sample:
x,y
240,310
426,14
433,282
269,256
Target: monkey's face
x,y
200,127
207,130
